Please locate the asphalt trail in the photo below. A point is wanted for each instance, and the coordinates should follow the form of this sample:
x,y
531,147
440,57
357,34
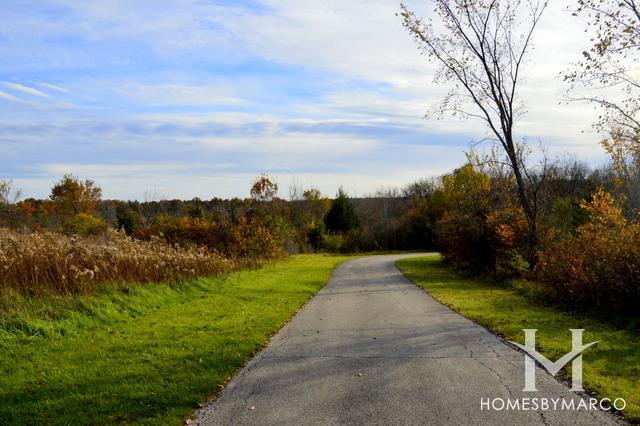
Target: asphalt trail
x,y
372,348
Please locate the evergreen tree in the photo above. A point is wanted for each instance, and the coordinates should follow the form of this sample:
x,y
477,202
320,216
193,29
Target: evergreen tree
x,y
341,216
126,218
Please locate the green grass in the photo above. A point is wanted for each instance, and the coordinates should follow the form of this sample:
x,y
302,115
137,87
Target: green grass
x,y
610,369
143,354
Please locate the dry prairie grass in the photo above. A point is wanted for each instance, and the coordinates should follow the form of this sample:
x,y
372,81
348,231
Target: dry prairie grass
x,y
50,263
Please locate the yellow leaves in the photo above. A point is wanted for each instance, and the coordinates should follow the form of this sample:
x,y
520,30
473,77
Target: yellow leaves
x,y
608,145
603,209
623,146
251,239
72,196
466,186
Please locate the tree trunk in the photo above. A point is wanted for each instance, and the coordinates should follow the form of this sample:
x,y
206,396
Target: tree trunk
x,y
529,208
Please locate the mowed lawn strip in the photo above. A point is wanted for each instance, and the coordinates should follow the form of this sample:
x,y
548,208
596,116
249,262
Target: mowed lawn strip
x,y
147,353
611,368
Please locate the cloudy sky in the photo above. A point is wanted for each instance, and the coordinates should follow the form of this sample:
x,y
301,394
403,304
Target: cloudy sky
x,y
194,98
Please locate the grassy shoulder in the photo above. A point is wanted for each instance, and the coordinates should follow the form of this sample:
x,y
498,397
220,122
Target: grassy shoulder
x,y
144,354
611,368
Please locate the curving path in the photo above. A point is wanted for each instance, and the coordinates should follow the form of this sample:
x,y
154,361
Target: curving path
x,y
372,348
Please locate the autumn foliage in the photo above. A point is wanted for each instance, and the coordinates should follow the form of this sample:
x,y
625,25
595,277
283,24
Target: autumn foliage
x,y
70,250
482,228
598,268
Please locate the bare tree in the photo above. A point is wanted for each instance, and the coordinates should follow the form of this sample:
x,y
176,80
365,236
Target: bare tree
x,y
8,193
480,46
296,191
608,76
611,62
422,188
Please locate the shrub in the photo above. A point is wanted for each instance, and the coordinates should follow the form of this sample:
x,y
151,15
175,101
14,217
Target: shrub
x,y
248,239
416,229
315,234
252,241
354,241
127,219
333,243
187,232
84,224
482,229
348,242
599,267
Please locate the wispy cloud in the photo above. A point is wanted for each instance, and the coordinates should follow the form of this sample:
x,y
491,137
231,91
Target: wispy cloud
x,y
165,94
25,89
9,97
191,151
54,87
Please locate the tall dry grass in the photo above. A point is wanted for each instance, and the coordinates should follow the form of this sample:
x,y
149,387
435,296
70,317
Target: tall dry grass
x,y
50,263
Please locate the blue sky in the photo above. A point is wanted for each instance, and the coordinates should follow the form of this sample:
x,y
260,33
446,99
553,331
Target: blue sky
x,y
195,98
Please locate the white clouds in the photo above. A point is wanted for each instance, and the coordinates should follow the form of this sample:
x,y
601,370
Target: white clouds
x,y
54,87
200,96
182,159
9,97
25,89
364,39
357,39
179,94
177,180
130,170
31,102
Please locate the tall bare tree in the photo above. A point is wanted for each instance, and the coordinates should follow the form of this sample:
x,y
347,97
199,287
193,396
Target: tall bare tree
x,y
609,76
612,61
480,47
9,194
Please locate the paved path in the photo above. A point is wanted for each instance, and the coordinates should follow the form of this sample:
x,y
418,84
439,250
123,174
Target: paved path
x,y
372,348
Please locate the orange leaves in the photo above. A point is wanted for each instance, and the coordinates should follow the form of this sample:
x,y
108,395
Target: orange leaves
x,y
248,239
506,234
599,267
252,241
26,208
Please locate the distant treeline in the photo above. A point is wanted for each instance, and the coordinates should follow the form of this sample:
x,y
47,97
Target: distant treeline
x,y
306,222
587,223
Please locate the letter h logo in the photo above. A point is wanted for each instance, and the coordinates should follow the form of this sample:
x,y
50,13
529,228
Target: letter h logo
x,y
532,356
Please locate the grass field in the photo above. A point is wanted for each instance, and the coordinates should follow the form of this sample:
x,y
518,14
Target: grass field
x,y
611,368
143,354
